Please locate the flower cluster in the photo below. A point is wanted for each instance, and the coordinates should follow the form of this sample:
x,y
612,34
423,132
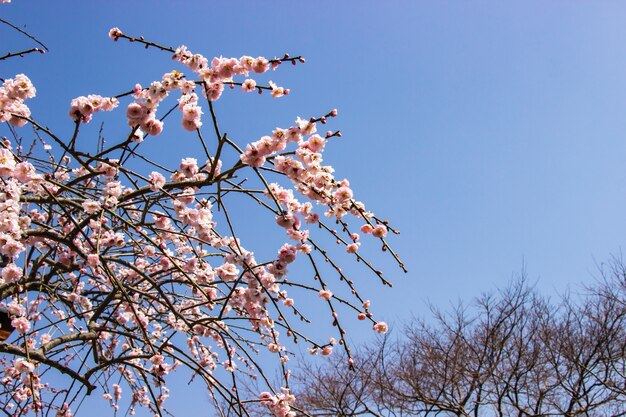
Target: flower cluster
x,y
279,404
12,95
82,108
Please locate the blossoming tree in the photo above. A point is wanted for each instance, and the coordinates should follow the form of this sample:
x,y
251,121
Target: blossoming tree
x,y
116,274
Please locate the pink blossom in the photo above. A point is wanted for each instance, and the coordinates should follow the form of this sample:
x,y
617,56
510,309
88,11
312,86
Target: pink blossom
x,y
156,181
115,33
307,127
246,63
24,366
12,247
21,324
276,90
152,126
260,65
64,411
380,327
352,247
93,260
136,113
214,90
91,206
11,273
19,87
248,85
117,392
228,272
367,228
325,294
189,167
191,125
7,162
379,231
343,194
315,143
113,189
287,253
191,111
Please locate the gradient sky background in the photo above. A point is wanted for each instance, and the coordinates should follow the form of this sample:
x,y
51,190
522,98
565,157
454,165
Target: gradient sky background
x,y
492,134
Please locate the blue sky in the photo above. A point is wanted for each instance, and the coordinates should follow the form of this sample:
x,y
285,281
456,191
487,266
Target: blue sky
x,y
492,134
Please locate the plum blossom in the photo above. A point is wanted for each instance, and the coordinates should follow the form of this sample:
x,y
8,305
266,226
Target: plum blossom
x,y
12,95
24,366
380,327
353,247
91,206
379,231
82,108
21,324
115,33
248,85
325,294
11,273
156,181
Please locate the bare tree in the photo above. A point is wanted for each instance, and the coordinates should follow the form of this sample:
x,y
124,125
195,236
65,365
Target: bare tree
x,y
512,353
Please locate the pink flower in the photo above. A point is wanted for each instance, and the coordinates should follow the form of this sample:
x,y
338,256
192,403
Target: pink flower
x,y
136,113
189,167
7,162
327,350
287,254
93,260
352,247
380,327
315,143
260,65
21,324
228,272
191,125
379,231
343,194
367,228
117,392
156,180
214,90
191,111
246,63
11,273
115,33
19,87
91,206
24,366
325,294
248,85
277,91
152,126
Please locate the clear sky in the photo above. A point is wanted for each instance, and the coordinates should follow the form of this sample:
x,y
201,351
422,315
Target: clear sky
x,y
492,134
